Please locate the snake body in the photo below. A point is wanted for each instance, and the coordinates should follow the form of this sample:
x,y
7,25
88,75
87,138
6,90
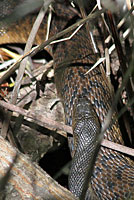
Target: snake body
x,y
113,175
86,100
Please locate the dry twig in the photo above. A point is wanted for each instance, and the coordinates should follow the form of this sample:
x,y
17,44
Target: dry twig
x,y
49,123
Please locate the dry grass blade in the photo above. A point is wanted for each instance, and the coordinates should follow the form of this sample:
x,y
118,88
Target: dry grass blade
x,y
120,53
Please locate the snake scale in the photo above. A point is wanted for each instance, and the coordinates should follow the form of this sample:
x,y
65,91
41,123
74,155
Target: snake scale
x,y
86,100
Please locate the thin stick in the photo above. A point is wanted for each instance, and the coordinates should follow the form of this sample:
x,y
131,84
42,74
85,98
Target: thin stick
x,y
45,121
29,44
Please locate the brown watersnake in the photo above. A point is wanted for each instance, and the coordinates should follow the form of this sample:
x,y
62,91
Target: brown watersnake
x,y
86,101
